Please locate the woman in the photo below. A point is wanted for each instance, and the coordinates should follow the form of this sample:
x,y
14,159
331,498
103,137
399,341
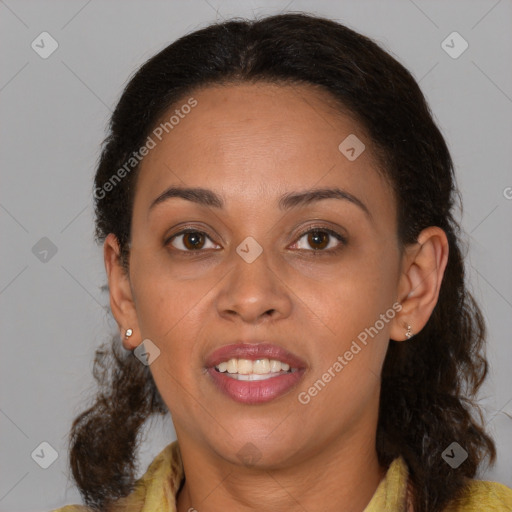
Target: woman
x,y
275,203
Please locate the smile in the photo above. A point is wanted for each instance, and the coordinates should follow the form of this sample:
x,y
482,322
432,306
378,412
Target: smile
x,y
254,373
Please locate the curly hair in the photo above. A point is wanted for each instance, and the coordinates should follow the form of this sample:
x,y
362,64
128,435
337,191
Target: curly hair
x,y
429,384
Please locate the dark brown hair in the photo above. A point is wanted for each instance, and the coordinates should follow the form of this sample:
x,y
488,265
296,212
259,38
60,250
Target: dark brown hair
x,y
428,383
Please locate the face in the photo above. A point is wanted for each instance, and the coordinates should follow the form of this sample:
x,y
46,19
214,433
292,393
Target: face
x,y
265,272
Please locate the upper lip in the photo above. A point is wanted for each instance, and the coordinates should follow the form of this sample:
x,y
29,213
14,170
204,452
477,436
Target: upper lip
x,y
253,350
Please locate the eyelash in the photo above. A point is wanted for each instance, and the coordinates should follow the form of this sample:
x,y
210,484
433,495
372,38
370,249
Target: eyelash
x,y
315,252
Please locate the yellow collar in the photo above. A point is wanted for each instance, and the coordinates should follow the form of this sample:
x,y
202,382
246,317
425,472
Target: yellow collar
x,y
157,489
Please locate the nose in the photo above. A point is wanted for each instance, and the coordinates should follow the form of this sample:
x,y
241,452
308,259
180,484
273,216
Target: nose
x,y
253,292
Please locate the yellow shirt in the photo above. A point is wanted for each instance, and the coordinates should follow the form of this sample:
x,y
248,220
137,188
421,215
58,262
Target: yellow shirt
x,y
156,490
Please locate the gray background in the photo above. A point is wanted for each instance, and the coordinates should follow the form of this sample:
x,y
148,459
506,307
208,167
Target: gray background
x,y
54,113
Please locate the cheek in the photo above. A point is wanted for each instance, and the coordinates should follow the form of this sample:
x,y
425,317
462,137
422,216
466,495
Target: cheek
x,y
167,303
356,310
350,348
354,296
172,314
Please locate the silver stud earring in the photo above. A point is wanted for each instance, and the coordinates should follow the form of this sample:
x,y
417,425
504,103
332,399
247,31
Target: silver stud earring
x,y
128,333
408,333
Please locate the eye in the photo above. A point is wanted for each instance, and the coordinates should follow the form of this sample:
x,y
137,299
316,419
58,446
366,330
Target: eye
x,y
321,239
190,240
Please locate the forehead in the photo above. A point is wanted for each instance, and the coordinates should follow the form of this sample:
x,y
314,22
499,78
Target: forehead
x,y
254,141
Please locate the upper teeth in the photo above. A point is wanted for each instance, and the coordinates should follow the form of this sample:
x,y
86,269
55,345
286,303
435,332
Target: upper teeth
x,y
247,366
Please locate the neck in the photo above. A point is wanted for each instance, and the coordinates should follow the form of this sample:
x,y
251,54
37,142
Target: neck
x,y
344,476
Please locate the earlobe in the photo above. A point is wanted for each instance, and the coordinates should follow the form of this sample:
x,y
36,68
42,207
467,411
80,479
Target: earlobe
x,y
423,269
121,299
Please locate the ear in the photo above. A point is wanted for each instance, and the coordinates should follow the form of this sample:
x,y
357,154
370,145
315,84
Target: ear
x,y
423,269
121,294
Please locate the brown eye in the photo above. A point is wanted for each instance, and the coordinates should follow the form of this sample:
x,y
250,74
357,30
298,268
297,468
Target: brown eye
x,y
318,239
191,240
322,240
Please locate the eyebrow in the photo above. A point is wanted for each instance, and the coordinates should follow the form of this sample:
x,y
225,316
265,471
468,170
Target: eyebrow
x,y
206,197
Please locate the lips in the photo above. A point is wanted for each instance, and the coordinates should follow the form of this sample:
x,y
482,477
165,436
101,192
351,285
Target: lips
x,y
252,392
253,351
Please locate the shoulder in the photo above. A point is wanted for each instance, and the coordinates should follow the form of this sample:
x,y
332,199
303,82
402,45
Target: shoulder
x,y
73,508
476,494
159,483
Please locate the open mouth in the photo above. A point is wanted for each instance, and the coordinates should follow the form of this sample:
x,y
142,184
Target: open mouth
x,y
254,373
253,370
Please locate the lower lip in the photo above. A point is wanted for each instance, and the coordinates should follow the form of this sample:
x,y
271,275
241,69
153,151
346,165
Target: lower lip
x,y
255,392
